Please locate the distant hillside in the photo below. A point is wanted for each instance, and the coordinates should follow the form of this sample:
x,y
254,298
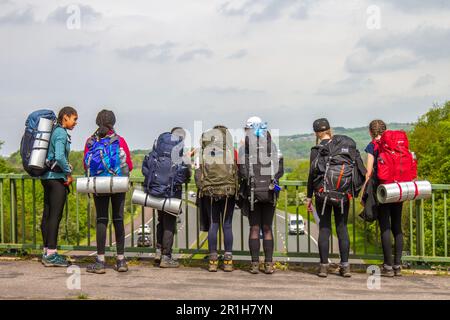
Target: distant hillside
x,y
298,146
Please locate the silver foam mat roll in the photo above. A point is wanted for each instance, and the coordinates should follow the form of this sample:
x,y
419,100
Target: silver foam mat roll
x,y
170,205
404,191
103,185
40,146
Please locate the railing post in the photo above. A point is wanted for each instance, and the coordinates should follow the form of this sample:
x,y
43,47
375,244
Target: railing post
x,y
419,222
2,230
34,211
186,215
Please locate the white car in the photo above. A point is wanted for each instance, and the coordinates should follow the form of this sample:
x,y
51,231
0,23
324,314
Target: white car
x,y
296,226
147,230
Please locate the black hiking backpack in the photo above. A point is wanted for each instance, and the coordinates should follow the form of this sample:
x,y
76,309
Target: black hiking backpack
x,y
261,158
338,170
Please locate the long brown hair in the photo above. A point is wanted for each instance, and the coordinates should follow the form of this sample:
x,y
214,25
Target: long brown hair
x,y
377,128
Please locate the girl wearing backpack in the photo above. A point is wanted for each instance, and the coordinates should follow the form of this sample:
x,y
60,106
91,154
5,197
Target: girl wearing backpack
x,y
389,214
216,178
260,168
324,136
106,134
55,184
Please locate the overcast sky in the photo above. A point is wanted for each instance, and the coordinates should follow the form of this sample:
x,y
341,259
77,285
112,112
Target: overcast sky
x,y
160,64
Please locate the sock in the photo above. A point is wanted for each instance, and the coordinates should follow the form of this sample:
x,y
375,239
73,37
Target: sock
x,y
45,251
120,257
51,252
254,245
268,250
101,257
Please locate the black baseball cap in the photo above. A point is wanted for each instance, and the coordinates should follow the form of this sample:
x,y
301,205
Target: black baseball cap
x,y
321,125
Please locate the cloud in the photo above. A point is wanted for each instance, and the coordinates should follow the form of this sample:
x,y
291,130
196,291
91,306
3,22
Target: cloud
x,y
78,48
230,91
345,87
18,17
87,14
383,51
149,52
193,54
414,6
238,54
265,10
424,81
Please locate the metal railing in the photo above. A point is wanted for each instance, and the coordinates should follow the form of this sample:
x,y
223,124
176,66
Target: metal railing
x,y
425,224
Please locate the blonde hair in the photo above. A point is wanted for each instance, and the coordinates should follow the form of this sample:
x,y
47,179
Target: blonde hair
x,y
377,128
322,134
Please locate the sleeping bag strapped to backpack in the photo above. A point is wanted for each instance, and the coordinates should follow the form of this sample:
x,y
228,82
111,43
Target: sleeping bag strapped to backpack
x,y
217,175
339,171
395,162
103,156
163,172
28,143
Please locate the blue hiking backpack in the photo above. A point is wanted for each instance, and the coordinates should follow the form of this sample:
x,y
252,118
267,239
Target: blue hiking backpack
x,y
103,156
163,174
29,137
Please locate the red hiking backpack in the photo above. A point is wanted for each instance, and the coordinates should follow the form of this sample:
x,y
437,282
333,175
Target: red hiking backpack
x,y
395,162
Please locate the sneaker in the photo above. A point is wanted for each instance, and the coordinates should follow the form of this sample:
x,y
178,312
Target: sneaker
x,y
228,263
397,271
168,262
268,268
55,260
121,265
158,256
213,265
98,267
323,270
344,271
254,269
387,271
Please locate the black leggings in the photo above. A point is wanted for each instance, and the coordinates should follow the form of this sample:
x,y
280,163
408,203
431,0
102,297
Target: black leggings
x,y
390,219
55,195
165,231
102,207
261,217
341,230
216,210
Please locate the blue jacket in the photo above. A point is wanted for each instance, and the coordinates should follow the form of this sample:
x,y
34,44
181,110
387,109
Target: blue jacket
x,y
59,150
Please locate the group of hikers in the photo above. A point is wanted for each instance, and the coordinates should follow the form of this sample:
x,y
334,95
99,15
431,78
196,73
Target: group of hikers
x,y
248,177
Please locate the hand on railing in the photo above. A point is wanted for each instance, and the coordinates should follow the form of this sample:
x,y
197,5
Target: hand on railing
x,y
69,181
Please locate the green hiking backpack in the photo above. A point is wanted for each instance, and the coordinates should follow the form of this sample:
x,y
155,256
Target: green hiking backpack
x,y
217,175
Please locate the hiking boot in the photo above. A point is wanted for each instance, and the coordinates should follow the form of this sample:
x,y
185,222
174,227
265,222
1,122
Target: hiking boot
x,y
121,265
254,269
397,271
268,268
98,267
323,270
387,271
228,263
158,256
168,262
344,271
213,265
55,260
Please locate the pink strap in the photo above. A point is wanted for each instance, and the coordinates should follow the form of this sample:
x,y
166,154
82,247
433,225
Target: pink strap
x,y
416,193
401,191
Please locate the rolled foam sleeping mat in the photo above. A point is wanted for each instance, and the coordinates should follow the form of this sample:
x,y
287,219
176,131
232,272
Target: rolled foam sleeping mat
x,y
40,147
170,205
404,191
103,185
